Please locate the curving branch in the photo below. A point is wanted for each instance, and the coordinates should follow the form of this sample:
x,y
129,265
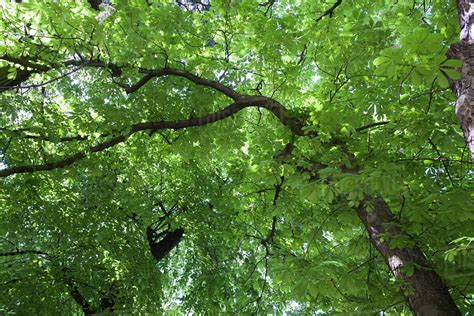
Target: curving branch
x,y
64,162
116,71
25,62
329,11
150,74
243,102
37,67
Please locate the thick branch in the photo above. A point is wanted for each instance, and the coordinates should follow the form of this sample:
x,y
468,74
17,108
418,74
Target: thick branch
x,y
149,74
23,75
278,188
248,101
25,62
32,68
116,70
65,162
423,289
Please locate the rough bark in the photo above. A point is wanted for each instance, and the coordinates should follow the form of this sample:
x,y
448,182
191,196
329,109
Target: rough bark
x,y
424,290
464,88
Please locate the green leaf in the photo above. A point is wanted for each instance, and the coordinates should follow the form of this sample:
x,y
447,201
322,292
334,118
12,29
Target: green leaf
x,y
203,215
381,60
453,74
442,81
454,63
11,73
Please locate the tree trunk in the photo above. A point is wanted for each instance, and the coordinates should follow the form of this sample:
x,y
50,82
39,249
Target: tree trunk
x,y
464,88
424,290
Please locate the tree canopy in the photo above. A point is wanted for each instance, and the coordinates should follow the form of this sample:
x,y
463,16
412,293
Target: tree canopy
x,y
250,157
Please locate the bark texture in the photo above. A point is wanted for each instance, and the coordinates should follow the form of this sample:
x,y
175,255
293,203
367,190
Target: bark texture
x,y
424,290
464,88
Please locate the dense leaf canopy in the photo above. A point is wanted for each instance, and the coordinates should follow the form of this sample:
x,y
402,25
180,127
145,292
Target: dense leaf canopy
x,y
256,135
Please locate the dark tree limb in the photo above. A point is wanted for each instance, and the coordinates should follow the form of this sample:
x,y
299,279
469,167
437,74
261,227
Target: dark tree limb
x,y
278,188
424,290
159,249
37,68
329,11
105,305
243,102
64,162
375,124
23,75
150,74
22,252
45,138
81,301
95,4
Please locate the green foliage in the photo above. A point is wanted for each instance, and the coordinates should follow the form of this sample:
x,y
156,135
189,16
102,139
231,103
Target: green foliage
x,y
369,62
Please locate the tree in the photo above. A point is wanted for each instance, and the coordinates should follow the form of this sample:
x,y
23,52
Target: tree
x,y
234,157
462,51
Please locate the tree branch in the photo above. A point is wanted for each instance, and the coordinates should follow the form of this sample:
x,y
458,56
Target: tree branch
x,y
22,252
24,74
117,71
64,162
329,11
375,124
20,133
81,300
245,101
278,188
149,74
